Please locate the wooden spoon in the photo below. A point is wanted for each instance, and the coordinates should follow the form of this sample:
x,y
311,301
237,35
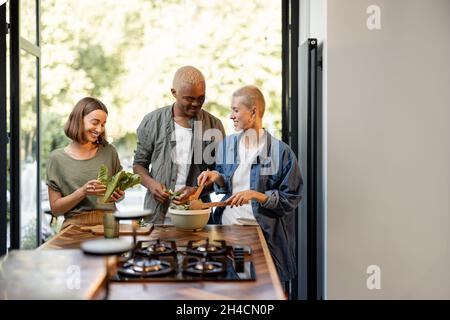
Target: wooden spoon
x,y
198,192
198,204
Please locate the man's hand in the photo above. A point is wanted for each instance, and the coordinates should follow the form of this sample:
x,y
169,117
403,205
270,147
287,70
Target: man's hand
x,y
158,191
184,196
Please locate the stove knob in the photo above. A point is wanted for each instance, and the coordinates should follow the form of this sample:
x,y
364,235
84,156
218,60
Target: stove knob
x,y
238,254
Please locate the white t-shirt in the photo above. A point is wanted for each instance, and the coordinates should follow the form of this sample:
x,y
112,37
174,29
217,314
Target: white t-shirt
x,y
241,182
183,138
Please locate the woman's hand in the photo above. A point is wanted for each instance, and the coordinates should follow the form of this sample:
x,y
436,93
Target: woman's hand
x,y
244,197
207,177
118,195
93,188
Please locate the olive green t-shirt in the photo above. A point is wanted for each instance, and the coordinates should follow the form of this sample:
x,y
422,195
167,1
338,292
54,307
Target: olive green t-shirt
x,y
66,174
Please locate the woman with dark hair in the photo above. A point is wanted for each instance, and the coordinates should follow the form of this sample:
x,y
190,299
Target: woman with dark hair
x,y
72,171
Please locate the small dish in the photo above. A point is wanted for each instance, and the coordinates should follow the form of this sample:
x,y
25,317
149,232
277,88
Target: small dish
x,y
106,246
132,214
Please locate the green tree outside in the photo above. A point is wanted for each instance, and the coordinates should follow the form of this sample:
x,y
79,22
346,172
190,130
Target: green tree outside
x,y
126,54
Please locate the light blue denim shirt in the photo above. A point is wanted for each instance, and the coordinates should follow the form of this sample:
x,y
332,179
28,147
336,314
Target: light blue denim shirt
x,y
275,173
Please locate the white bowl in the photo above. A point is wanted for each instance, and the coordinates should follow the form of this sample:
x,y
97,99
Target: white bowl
x,y
193,220
106,246
132,214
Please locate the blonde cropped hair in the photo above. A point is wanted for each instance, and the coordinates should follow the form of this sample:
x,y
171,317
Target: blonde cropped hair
x,y
187,74
251,96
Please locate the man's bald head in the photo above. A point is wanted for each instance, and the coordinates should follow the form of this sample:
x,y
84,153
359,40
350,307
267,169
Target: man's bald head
x,y
187,75
251,96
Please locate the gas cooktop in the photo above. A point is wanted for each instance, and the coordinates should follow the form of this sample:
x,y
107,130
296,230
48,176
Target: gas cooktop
x,y
203,260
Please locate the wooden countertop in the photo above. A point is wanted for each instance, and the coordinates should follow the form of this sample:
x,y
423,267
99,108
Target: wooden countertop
x,y
51,274
267,284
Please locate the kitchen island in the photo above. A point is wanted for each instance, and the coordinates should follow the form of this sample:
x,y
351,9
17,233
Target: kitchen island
x,y
266,286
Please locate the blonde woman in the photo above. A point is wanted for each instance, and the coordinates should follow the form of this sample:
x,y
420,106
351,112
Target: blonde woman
x,y
260,178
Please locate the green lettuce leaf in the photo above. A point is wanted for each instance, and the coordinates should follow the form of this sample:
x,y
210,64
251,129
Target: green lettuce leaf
x,y
103,175
172,194
121,180
129,180
112,186
180,206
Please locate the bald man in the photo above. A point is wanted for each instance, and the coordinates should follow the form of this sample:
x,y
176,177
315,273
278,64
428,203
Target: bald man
x,y
170,139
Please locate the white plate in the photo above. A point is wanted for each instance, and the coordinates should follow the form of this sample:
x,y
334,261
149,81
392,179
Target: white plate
x,y
132,214
106,246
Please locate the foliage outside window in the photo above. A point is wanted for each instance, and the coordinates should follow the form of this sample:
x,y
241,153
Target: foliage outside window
x,y
127,54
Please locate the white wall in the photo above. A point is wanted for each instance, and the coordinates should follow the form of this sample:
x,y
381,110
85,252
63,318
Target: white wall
x,y
387,101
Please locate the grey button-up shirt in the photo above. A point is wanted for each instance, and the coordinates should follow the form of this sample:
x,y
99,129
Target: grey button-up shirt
x,y
155,149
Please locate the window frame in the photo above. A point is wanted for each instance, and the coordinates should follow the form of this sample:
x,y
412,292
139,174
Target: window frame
x,y
19,43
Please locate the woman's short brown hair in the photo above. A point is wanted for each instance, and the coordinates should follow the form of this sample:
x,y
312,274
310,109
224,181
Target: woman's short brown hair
x,y
74,128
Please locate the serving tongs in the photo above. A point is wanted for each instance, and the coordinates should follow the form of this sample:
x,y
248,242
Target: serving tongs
x,y
197,193
196,204
199,204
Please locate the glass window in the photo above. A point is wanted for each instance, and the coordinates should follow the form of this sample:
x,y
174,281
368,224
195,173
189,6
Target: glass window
x,y
28,20
127,56
28,150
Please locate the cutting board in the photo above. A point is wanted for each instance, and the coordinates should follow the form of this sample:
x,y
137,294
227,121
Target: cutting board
x,y
124,229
